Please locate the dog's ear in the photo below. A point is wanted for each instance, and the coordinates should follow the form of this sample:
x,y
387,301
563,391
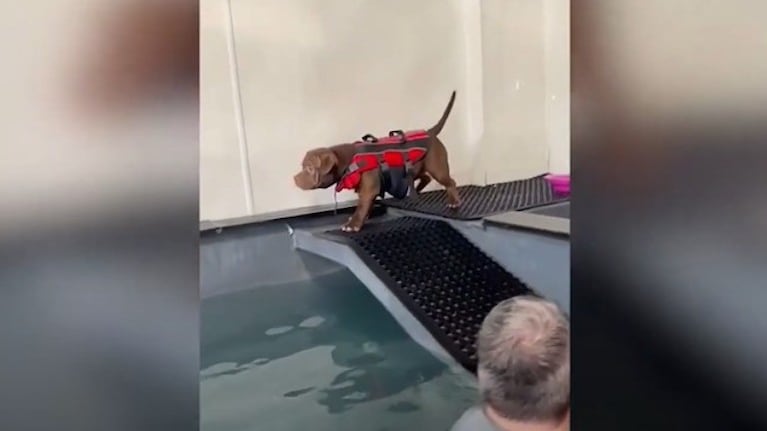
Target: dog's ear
x,y
328,161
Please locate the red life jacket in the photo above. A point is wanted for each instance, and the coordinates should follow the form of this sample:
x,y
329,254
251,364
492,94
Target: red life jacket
x,y
399,149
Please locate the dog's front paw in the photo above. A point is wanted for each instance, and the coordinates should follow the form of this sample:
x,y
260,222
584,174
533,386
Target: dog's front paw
x,y
453,203
352,225
453,200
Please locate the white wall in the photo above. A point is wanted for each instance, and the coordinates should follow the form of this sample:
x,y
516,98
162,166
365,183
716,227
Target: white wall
x,y
223,185
556,31
319,72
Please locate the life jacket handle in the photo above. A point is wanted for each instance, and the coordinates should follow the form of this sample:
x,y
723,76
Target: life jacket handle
x,y
399,133
369,138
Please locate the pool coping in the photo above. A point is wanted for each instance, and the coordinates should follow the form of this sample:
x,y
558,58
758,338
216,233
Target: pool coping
x,y
530,221
525,219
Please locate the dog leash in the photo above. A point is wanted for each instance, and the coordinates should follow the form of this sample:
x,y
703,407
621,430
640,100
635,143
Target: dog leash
x,y
335,202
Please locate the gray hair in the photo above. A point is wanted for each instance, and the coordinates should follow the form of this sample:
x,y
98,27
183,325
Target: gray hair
x,y
523,350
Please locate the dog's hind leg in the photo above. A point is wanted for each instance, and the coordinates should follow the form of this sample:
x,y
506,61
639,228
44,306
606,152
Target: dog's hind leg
x,y
423,180
436,165
453,200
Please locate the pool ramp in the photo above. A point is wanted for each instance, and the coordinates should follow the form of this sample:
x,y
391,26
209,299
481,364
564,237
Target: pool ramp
x,y
479,202
433,280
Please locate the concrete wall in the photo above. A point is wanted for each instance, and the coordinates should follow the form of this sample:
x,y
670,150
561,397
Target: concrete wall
x,y
282,76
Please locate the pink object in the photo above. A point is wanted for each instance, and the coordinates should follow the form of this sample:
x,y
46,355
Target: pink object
x,y
559,183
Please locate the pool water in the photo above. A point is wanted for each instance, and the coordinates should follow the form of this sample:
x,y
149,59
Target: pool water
x,y
320,354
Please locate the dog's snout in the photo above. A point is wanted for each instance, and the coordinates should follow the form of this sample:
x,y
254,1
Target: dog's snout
x,y
302,181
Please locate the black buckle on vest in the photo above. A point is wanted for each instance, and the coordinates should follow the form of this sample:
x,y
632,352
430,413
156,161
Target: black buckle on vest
x,y
382,163
399,133
369,138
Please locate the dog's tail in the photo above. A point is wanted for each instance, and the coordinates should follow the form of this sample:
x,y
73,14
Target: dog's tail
x,y
434,131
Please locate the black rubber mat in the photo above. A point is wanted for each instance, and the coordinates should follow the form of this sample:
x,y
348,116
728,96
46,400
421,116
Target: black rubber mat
x,y
482,201
445,281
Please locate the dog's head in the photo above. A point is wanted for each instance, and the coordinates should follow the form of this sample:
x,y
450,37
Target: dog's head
x,y
318,170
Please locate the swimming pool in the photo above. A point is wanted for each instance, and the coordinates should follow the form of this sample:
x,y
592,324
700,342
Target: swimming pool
x,y
290,340
293,341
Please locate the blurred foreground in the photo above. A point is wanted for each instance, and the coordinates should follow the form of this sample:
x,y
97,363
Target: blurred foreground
x,y
669,214
98,228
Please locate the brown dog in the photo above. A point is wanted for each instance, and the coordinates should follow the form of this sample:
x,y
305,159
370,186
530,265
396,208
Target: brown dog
x,y
324,167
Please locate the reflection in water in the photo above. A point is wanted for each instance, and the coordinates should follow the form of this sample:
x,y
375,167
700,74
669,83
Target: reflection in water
x,y
278,330
312,322
298,392
322,355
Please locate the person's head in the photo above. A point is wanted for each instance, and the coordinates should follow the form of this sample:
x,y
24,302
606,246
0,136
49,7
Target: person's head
x,y
523,352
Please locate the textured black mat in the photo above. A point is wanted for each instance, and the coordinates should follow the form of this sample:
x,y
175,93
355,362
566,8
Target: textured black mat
x,y
482,201
445,281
